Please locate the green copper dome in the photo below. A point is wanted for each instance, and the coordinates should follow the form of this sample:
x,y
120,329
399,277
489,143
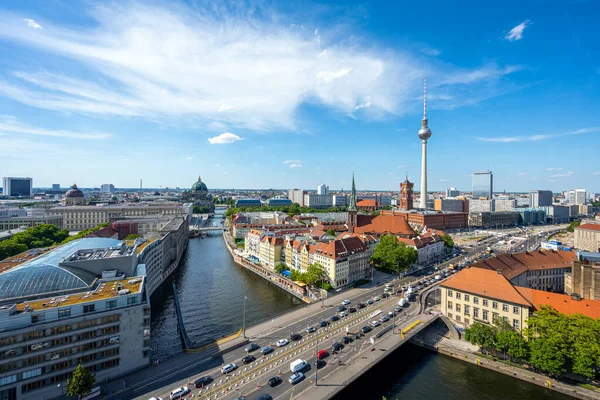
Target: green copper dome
x,y
199,186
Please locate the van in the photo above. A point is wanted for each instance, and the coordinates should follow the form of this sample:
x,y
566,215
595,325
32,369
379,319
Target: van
x,y
298,365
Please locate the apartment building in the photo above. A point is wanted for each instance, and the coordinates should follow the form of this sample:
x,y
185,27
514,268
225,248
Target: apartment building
x,y
584,279
587,237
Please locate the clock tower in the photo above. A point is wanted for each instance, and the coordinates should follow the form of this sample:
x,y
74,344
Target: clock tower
x,y
406,195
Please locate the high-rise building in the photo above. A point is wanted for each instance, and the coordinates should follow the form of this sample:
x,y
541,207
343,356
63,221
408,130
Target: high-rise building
x,y
483,185
577,196
406,195
424,134
540,198
504,204
452,192
56,186
107,188
296,196
322,189
17,187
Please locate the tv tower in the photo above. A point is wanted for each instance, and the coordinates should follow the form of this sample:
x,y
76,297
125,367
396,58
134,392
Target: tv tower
x,y
424,134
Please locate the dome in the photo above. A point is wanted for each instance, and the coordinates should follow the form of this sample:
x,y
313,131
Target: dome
x,y
199,186
74,192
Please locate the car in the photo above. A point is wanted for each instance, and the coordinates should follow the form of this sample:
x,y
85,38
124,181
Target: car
x,y
341,308
228,368
343,314
337,346
179,392
369,302
248,359
203,381
397,308
274,381
376,298
295,378
323,324
346,302
385,295
391,314
321,354
352,310
320,364
384,318
334,318
282,342
375,323
252,347
360,305
347,339
264,396
388,288
310,329
366,329
155,398
295,336
266,350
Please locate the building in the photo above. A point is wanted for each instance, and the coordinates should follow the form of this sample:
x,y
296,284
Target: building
x,y
429,248
340,200
452,192
493,219
297,196
276,202
450,204
270,251
78,304
406,195
78,218
541,270
29,221
322,189
56,187
483,185
74,197
107,188
248,203
199,197
344,260
586,209
531,216
587,237
482,295
584,278
500,205
17,187
322,201
481,205
523,201
557,214
540,198
424,134
577,196
441,220
12,212
368,205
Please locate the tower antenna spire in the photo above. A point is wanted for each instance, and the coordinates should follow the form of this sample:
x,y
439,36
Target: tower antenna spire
x,y
425,98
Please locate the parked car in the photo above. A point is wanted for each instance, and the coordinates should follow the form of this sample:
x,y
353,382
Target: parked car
x,y
369,302
375,323
360,305
320,364
248,359
385,295
352,310
334,318
274,381
264,396
341,308
346,302
376,298
323,324
384,318
203,381
337,346
347,339
228,368
343,314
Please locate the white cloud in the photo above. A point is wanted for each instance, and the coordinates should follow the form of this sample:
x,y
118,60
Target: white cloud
x,y
570,173
32,24
516,33
445,180
595,173
511,139
224,138
554,169
291,162
431,51
522,174
256,165
10,124
189,158
402,166
223,66
296,166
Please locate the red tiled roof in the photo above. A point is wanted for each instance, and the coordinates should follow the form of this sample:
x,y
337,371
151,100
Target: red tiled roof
x,y
367,203
383,224
340,248
513,265
485,283
562,303
420,241
589,227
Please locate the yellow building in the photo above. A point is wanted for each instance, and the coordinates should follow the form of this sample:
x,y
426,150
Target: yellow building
x,y
270,251
587,237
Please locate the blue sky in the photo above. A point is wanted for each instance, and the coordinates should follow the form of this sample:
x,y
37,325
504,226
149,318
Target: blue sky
x,y
282,94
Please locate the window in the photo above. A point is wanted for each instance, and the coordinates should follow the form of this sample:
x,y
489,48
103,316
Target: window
x,y
475,300
485,303
131,301
449,305
31,373
458,317
475,312
505,307
466,297
449,315
515,310
494,316
111,304
505,319
467,310
458,296
516,323
467,320
485,315
8,379
458,307
88,308
494,305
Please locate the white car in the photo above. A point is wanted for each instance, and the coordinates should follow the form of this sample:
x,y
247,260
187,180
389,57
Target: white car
x,y
346,302
179,392
375,324
228,368
343,313
376,298
282,342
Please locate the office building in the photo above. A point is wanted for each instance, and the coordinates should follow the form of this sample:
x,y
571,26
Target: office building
x,y
297,196
587,237
585,209
493,219
424,134
584,279
557,214
17,187
481,205
276,202
12,212
452,192
29,221
504,204
248,203
340,200
442,220
107,188
523,201
531,216
322,189
55,187
449,204
540,198
577,196
483,185
318,200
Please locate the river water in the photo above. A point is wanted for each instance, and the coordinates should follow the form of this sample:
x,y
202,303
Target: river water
x,y
211,289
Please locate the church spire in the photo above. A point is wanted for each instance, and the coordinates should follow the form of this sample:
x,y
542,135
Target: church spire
x,y
352,206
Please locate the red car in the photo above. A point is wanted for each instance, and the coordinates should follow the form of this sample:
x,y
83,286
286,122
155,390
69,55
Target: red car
x,y
321,354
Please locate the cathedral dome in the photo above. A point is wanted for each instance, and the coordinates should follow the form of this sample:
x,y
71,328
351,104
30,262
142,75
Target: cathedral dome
x,y
74,192
199,186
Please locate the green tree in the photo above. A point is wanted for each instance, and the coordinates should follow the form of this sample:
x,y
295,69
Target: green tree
x,y
132,236
481,335
448,242
510,342
392,255
280,268
314,274
331,232
572,226
549,341
585,351
81,382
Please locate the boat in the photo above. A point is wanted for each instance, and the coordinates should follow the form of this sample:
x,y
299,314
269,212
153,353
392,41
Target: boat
x,y
194,233
202,235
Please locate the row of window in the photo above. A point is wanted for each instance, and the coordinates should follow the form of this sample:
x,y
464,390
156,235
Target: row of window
x,y
485,302
466,320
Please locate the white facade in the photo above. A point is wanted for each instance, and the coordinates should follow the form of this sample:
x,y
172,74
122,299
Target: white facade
x,y
12,186
577,196
452,192
504,204
477,205
318,200
322,189
107,188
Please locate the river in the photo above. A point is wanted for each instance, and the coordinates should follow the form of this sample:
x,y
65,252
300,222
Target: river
x,y
211,289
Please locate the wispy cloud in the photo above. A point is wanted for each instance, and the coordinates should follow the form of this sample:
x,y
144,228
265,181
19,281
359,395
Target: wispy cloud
x,y
189,158
224,65
522,173
13,125
570,173
445,180
535,138
32,24
595,173
224,138
554,169
516,33
291,162
296,166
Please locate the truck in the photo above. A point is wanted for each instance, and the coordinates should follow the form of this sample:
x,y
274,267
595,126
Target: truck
x,y
402,302
298,365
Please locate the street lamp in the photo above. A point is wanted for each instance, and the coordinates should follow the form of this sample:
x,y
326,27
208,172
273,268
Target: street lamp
x,y
244,320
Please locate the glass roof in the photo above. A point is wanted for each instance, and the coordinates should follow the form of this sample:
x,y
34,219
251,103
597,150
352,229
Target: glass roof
x,y
44,275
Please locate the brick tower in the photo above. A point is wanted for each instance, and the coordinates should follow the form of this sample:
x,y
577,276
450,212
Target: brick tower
x,y
406,195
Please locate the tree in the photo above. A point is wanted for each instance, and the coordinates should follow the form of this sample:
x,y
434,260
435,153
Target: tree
x,y
482,335
549,341
572,226
509,341
81,382
331,232
448,242
280,268
314,274
132,236
392,255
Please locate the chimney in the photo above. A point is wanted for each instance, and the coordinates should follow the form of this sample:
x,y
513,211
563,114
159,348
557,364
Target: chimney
x,y
575,296
499,271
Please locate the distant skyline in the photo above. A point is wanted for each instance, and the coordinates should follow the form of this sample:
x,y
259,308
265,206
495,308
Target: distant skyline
x,y
298,94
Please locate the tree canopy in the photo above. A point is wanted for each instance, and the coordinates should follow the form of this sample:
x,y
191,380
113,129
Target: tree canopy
x,y
81,382
572,226
448,242
393,255
43,235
